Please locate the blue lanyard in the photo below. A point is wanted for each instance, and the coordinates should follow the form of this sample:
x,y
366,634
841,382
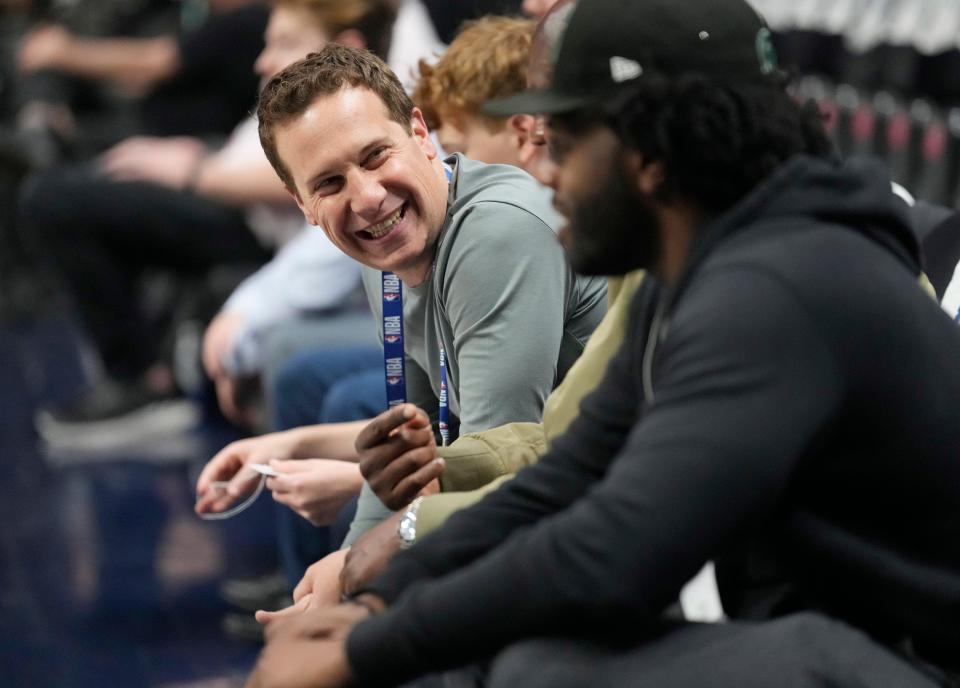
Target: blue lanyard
x,y
444,405
393,352
393,364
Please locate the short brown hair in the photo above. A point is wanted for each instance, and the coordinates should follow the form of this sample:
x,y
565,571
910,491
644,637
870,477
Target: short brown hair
x,y
293,90
487,59
372,18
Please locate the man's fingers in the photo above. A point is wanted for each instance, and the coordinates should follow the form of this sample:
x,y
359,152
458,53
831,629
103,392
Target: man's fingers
x,y
205,503
224,465
280,484
420,419
408,488
293,465
215,499
265,617
215,503
243,483
304,587
375,460
416,437
227,397
402,467
378,430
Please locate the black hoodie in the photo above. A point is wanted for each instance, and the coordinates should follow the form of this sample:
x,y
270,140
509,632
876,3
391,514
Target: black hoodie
x,y
789,409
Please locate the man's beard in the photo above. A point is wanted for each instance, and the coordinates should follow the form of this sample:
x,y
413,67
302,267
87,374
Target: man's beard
x,y
616,230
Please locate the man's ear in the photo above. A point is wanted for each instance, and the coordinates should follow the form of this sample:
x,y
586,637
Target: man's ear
x,y
351,38
647,176
651,177
421,133
296,199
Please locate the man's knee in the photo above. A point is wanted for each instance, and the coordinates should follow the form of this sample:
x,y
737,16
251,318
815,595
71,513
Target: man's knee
x,y
354,398
810,646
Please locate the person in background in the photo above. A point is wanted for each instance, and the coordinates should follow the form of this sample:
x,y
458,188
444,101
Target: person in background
x,y
537,8
487,59
195,80
173,203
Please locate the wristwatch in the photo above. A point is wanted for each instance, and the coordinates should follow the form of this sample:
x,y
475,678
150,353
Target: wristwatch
x,y
407,528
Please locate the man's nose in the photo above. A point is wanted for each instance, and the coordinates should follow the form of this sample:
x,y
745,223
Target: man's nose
x,y
368,194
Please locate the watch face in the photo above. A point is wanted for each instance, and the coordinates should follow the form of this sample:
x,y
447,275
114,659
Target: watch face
x,y
407,530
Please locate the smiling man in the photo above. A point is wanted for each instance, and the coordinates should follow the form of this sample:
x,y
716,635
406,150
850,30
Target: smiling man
x,y
485,280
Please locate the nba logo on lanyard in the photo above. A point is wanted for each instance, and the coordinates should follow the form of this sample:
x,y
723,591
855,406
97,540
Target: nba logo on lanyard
x,y
393,366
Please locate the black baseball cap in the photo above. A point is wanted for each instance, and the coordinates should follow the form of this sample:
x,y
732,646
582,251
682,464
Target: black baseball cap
x,y
608,44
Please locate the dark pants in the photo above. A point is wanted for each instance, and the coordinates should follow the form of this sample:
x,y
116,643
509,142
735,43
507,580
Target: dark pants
x,y
325,385
800,651
102,235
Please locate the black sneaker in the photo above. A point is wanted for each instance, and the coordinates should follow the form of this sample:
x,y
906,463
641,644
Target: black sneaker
x,y
112,415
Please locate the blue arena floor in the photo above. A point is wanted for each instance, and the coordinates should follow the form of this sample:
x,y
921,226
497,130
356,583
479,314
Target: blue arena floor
x,y
106,576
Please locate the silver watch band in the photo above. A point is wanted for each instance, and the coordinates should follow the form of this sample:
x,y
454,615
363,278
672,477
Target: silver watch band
x,y
407,528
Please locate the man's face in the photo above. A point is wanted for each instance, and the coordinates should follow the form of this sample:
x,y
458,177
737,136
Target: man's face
x,y
377,191
292,33
612,228
541,163
537,8
472,136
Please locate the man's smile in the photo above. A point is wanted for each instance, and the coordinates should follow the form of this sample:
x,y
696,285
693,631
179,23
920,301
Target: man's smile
x,y
380,229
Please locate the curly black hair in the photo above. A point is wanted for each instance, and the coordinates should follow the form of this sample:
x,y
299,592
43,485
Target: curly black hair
x,y
715,140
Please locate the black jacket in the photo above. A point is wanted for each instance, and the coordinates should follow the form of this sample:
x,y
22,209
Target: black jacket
x,y
789,409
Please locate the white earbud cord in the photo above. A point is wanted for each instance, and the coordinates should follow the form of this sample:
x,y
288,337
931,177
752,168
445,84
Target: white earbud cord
x,y
243,506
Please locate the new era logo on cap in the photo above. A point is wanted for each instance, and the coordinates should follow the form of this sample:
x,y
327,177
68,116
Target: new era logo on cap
x,y
624,69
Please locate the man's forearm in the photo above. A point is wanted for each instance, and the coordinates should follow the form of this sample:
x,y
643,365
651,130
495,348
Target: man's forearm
x,y
223,181
136,63
327,440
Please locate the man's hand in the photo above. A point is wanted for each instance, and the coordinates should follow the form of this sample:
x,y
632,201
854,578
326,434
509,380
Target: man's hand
x,y
332,623
315,488
299,663
231,390
307,650
218,340
45,47
234,396
398,455
229,464
168,161
370,554
320,587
